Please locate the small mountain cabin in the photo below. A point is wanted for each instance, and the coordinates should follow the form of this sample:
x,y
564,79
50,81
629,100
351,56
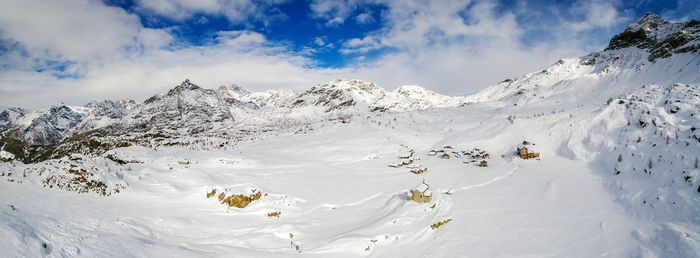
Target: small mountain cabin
x,y
522,152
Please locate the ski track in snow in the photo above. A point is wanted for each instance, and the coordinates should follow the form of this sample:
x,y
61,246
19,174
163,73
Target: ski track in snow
x,y
492,180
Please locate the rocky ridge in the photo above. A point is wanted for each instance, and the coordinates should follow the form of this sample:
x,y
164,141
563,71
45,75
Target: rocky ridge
x,y
659,37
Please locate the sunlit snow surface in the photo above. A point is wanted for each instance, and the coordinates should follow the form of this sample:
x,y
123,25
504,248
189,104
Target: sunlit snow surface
x,y
338,196
618,175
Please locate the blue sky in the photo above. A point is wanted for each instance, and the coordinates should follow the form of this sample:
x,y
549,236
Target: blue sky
x,y
76,50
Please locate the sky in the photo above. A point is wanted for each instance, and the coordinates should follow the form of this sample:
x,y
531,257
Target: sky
x,y
75,51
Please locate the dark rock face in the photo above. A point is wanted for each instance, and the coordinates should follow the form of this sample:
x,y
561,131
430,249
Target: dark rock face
x,y
630,38
330,98
661,38
677,42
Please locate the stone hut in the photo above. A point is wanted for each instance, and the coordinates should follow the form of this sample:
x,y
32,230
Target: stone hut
x,y
524,154
421,194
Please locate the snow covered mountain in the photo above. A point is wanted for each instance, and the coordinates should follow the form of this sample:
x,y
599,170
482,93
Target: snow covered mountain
x,y
364,96
340,92
50,127
8,117
186,108
98,114
334,170
273,98
627,64
26,134
660,38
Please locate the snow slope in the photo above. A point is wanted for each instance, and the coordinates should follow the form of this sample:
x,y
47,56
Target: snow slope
x,y
338,196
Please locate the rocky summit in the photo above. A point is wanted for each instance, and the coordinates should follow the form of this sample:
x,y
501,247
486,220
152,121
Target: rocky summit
x,y
659,37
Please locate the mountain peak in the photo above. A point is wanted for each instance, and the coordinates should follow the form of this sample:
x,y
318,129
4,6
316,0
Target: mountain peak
x,y
267,98
659,37
187,107
233,91
650,23
354,84
648,19
186,85
179,89
413,89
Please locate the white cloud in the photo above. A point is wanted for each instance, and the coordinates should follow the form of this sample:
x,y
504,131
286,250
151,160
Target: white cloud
x,y
76,30
332,9
597,14
321,44
241,39
236,11
180,9
335,22
362,45
364,18
320,41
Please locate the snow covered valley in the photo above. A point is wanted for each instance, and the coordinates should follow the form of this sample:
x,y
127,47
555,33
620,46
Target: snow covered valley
x,y
330,172
337,195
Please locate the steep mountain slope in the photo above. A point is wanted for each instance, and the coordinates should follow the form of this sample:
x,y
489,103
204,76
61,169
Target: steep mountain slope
x,y
648,140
